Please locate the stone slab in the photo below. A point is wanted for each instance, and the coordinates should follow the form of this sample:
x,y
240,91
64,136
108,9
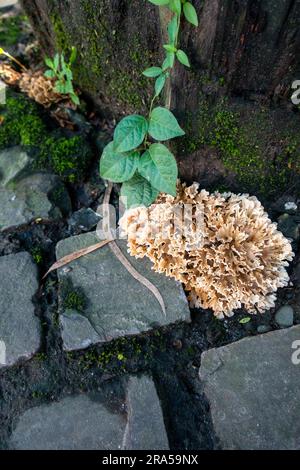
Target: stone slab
x,y
253,388
118,305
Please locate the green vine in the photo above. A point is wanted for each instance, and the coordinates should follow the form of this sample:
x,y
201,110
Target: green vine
x,y
136,157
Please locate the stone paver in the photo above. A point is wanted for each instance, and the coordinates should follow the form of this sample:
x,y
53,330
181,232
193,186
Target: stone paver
x,y
117,304
14,163
285,316
146,429
74,423
81,422
19,327
76,331
254,391
36,196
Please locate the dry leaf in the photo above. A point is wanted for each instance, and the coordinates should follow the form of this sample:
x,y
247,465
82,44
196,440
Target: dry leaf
x,y
77,254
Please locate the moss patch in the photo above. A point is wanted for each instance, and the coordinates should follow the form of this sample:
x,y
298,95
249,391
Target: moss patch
x,y
97,70
68,157
22,124
11,28
255,143
73,299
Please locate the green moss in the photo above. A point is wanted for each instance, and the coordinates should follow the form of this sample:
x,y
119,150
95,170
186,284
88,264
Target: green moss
x,y
126,90
62,40
67,157
243,144
22,124
37,255
96,69
73,299
11,29
31,131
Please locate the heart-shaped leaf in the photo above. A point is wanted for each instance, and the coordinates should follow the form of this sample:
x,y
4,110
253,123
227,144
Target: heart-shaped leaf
x,y
163,125
130,133
158,166
117,167
138,192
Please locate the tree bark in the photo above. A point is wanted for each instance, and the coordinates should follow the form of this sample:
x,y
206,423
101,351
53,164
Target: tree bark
x,y
236,96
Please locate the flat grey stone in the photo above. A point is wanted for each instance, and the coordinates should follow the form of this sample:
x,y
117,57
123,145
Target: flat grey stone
x,y
74,423
289,226
85,219
36,196
19,327
253,388
132,420
117,304
14,163
285,316
263,329
76,331
145,429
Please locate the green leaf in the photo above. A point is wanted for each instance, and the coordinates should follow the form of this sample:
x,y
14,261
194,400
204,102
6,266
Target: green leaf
x,y
75,99
49,74
158,166
69,87
183,58
49,62
170,48
159,84
60,88
175,6
169,61
69,74
190,13
130,133
138,192
163,125
159,2
117,167
152,72
2,51
73,55
63,63
56,61
172,29
245,320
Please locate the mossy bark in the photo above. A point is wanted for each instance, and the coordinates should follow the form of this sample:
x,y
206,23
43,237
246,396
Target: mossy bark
x,y
246,50
116,40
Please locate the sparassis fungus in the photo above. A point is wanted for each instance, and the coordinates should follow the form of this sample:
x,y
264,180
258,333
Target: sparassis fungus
x,y
222,247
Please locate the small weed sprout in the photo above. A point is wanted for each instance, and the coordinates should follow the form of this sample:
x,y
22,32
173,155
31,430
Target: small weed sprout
x,y
60,70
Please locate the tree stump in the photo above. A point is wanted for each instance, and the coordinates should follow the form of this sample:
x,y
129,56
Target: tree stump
x,y
243,132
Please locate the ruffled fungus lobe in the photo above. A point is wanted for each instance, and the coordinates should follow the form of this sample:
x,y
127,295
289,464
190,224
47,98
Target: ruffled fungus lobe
x,y
222,247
